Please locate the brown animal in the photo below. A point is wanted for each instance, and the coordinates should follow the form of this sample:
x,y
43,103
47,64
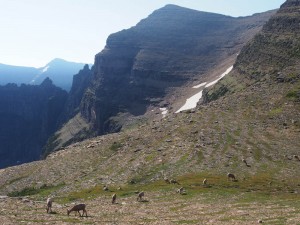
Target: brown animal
x,y
230,176
174,182
105,188
49,205
114,197
167,180
204,182
181,191
140,196
77,208
296,157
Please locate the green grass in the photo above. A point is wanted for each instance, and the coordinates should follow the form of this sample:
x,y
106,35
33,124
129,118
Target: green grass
x,y
42,191
115,146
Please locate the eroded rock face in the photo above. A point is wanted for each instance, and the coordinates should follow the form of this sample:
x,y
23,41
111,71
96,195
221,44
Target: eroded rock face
x,y
28,116
169,48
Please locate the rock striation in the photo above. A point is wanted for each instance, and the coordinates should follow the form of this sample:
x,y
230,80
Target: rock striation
x,y
171,47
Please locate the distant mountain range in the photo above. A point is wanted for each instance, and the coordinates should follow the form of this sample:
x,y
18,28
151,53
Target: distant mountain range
x,y
58,70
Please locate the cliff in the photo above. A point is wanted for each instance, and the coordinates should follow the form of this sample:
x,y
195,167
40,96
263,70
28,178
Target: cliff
x,y
170,48
28,116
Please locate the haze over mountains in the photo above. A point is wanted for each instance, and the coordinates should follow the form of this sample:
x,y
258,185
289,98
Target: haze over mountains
x,y
58,70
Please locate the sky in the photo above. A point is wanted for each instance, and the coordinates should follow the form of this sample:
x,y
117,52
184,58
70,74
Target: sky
x,y
33,32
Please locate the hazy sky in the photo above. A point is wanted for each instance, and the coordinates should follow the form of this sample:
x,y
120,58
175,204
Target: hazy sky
x,y
33,32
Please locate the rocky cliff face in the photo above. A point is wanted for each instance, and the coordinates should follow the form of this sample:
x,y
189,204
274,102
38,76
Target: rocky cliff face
x,y
28,116
172,46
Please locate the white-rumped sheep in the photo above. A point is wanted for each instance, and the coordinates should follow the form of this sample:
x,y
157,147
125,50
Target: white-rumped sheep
x,y
105,188
181,191
77,208
174,181
49,205
204,182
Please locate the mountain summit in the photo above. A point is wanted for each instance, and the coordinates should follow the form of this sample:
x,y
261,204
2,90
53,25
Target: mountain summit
x,y
139,68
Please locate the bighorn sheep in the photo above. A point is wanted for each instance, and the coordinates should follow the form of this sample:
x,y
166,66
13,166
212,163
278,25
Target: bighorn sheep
x,y
49,205
230,176
140,196
167,180
174,181
77,208
114,197
105,188
181,191
204,182
296,157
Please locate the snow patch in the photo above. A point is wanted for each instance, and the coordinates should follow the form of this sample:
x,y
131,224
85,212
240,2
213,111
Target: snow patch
x,y
220,77
200,85
192,101
164,111
45,69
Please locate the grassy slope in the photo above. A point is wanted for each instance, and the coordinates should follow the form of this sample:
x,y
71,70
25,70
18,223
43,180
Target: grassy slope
x,y
256,120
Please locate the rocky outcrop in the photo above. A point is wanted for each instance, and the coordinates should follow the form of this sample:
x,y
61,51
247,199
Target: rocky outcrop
x,y
28,116
172,46
269,63
276,47
80,83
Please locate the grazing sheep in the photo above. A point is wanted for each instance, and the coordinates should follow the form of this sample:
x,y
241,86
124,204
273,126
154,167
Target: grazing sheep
x,y
105,188
230,176
204,182
296,157
114,197
181,191
77,208
167,180
140,196
174,182
49,205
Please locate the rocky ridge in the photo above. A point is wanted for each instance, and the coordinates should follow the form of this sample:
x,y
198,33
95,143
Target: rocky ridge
x,y
146,67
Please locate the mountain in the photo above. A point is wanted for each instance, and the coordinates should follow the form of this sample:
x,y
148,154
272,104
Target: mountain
x,y
247,125
16,74
58,70
28,116
147,66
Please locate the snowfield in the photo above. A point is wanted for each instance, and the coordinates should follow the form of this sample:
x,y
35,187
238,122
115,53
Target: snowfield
x,y
191,102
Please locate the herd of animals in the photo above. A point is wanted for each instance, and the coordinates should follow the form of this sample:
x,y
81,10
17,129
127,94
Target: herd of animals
x,y
140,195
82,207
